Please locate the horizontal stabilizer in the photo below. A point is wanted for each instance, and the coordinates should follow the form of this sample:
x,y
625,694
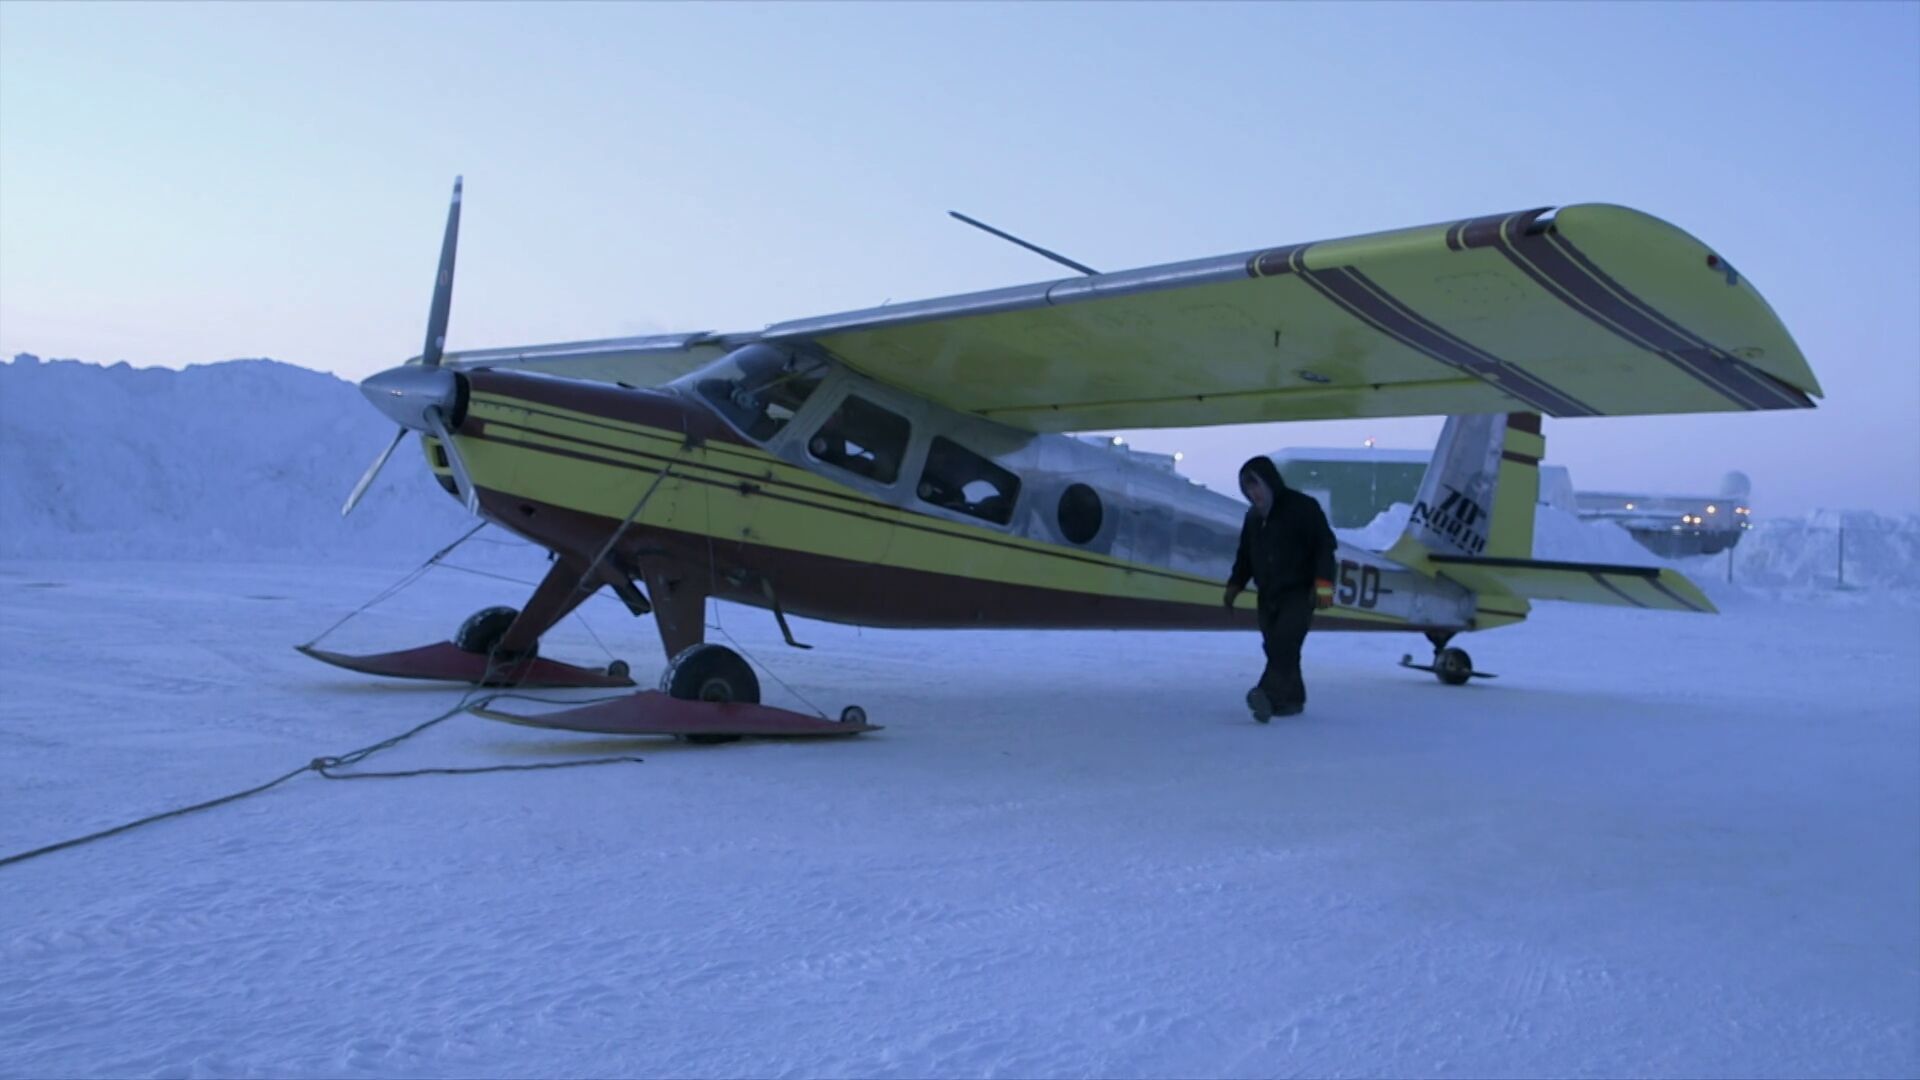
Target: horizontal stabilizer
x,y
1580,583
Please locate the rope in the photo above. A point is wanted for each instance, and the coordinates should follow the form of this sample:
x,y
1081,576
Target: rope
x,y
756,661
393,589
324,766
617,533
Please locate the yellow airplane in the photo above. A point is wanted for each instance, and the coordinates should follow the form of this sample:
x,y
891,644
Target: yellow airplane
x,y
908,465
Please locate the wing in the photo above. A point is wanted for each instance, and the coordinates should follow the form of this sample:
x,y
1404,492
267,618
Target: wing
x,y
636,361
1592,310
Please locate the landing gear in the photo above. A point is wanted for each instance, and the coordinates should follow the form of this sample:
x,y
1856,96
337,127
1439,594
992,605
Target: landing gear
x,y
710,673
482,631
1451,666
714,673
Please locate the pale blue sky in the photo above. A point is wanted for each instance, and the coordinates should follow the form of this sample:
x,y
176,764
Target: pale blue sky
x,y
180,184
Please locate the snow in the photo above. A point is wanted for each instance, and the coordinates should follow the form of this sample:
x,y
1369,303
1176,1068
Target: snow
x,y
1657,845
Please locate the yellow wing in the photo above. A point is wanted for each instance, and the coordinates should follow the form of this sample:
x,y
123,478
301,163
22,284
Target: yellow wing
x,y
1593,310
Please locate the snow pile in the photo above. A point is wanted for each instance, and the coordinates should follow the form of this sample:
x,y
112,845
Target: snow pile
x,y
1557,534
1830,548
245,459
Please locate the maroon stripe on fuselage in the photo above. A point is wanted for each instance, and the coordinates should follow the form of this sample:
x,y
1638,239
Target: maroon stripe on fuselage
x,y
833,589
653,408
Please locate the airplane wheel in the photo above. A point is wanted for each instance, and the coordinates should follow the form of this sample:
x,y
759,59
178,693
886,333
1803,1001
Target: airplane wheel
x,y
618,670
484,629
1452,666
710,673
853,714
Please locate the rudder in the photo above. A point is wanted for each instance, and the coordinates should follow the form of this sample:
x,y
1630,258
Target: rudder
x,y
1477,497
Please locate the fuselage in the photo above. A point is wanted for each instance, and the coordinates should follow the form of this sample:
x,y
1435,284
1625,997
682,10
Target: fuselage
x,y
771,478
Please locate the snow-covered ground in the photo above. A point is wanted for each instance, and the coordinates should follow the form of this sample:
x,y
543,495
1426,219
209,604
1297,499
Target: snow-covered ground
x,y
1657,845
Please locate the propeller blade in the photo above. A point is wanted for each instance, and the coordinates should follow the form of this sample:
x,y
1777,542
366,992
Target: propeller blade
x,y
366,481
460,478
443,286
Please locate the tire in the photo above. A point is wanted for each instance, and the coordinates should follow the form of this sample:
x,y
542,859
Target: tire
x,y
1453,666
482,632
710,673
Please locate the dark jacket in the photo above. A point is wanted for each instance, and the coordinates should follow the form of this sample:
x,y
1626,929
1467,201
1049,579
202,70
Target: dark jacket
x,y
1291,547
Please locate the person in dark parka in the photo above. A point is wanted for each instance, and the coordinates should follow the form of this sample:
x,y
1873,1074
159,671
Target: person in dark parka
x,y
1287,549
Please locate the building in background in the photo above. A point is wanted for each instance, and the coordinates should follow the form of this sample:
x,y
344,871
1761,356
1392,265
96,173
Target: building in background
x,y
1163,462
1353,485
1673,525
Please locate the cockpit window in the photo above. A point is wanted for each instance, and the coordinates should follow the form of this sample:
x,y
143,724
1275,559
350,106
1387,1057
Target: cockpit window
x,y
959,479
863,439
765,390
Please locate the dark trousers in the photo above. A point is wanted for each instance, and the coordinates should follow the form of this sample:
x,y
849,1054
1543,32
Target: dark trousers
x,y
1284,618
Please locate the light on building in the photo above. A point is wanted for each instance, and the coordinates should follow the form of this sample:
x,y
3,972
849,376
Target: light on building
x,y
1712,509
1178,456
1629,506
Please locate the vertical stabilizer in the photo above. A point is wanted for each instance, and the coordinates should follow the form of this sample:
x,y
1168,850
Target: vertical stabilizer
x,y
1478,495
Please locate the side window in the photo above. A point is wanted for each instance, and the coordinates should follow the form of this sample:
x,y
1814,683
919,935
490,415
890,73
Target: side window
x,y
769,389
959,479
863,439
1080,513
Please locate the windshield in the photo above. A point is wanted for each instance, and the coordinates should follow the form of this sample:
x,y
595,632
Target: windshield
x,y
759,388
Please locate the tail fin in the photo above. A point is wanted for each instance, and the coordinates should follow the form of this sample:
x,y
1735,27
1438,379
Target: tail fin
x,y
1472,522
1478,493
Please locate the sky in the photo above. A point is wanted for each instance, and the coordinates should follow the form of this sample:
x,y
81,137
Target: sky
x,y
183,184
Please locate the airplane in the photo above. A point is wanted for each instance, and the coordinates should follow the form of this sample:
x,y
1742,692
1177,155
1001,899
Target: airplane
x,y
912,465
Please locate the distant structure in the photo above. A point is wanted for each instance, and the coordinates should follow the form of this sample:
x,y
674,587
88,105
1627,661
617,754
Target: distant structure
x,y
1355,485
1164,462
1673,525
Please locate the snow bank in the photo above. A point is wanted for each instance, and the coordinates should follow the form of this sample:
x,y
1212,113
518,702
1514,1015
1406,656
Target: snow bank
x,y
247,459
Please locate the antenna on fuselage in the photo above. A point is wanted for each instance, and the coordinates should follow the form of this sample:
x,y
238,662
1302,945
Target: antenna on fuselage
x,y
1035,248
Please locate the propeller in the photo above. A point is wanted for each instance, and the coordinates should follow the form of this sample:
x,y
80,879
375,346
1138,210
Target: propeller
x,y
422,397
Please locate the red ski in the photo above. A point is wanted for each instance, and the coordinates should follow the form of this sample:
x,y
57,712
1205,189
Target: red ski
x,y
651,712
450,663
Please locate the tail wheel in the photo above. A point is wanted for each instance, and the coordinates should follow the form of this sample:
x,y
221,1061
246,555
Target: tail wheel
x,y
1453,666
482,631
